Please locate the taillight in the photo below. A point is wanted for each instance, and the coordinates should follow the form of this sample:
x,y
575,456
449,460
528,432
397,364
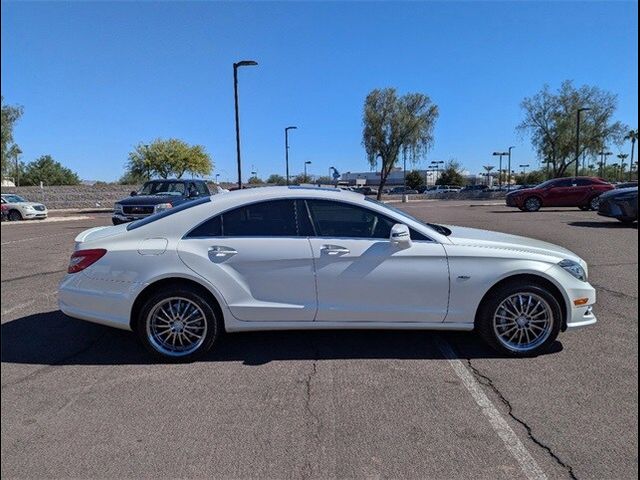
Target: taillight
x,y
81,259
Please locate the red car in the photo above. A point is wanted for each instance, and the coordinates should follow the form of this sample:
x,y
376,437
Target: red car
x,y
581,192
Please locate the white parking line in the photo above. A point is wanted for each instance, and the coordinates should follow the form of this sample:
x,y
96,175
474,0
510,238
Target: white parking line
x,y
498,423
36,238
48,220
28,303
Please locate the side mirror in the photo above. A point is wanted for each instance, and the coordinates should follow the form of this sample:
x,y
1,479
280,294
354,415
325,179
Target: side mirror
x,y
400,235
133,193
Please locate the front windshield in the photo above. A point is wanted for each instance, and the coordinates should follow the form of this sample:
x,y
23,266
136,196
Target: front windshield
x,y
434,226
14,198
163,188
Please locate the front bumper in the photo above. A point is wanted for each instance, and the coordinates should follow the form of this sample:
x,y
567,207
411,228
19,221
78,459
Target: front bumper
x,y
512,201
118,218
31,215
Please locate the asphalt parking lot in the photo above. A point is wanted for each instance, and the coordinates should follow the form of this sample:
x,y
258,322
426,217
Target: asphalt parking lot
x,y
81,400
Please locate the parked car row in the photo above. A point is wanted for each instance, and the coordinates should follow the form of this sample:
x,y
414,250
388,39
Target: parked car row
x,y
15,208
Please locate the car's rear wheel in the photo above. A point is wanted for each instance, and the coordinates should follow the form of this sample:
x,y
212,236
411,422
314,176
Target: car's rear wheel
x,y
584,208
532,204
628,221
14,215
178,324
520,319
594,203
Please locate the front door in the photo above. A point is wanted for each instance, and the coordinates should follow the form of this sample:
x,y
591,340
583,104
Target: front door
x,y
363,277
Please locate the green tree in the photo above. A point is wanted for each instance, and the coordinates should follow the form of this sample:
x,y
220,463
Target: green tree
x,y
393,124
133,178
275,179
550,121
10,151
632,136
46,170
168,158
414,180
451,174
254,180
324,180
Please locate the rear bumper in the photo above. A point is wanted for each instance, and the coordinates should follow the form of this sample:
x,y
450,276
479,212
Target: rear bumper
x,y
98,301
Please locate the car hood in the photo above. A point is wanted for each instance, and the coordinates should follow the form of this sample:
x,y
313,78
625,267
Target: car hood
x,y
484,238
148,200
27,204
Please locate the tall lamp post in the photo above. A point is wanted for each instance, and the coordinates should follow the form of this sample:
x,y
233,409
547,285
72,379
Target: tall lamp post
x,y
243,63
437,164
308,162
500,171
580,110
603,162
509,178
286,149
524,172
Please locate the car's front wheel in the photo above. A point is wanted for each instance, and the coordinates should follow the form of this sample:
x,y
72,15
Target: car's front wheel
x,y
532,204
14,215
178,324
594,203
520,319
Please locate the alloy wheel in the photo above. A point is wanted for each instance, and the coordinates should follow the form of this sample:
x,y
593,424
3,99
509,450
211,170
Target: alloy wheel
x,y
176,326
523,321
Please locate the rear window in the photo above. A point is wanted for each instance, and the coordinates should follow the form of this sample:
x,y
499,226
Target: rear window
x,y
157,216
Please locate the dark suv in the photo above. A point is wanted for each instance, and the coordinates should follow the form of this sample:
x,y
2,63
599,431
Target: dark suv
x,y
156,196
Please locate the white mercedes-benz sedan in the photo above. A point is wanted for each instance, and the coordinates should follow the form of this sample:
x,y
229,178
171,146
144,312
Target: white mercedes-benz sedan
x,y
280,258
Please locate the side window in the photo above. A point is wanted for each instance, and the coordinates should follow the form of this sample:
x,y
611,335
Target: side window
x,y
210,228
266,219
563,183
202,188
336,219
583,182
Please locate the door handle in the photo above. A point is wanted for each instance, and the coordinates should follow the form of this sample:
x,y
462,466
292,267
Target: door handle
x,y
334,250
218,251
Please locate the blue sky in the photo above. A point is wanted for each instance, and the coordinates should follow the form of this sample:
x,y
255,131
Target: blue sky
x,y
97,78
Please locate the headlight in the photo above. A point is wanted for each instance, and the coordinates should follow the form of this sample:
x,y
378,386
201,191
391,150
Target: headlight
x,y
28,207
161,207
117,208
574,269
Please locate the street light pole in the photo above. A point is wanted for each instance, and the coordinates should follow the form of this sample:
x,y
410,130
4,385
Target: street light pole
x,y
509,178
500,154
524,172
286,149
244,63
580,110
308,162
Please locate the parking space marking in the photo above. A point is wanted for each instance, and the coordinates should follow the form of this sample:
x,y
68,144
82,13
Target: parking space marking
x,y
29,303
48,220
517,449
28,239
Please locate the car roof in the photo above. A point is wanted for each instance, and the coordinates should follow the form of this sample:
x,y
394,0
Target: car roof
x,y
266,193
176,180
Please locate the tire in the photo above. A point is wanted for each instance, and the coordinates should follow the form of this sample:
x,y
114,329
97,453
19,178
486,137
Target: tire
x,y
178,315
628,221
584,208
14,216
594,203
495,313
532,204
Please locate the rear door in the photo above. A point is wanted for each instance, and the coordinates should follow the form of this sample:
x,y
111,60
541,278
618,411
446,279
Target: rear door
x,y
256,256
561,194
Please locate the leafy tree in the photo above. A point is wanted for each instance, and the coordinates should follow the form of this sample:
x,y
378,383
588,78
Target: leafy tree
x,y
324,180
168,158
451,174
414,180
255,181
300,179
393,124
133,178
10,151
632,136
550,120
46,170
275,179
534,177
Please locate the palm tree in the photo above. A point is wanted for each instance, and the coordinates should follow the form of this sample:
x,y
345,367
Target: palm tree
x,y
632,136
488,168
622,157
